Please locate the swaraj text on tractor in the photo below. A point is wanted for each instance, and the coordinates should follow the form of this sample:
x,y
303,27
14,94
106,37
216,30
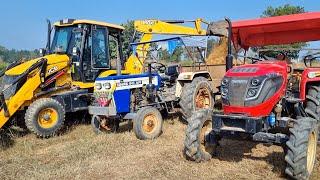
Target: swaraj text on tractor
x,y
268,101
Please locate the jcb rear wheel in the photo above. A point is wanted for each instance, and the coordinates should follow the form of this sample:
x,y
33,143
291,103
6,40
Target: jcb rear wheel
x,y
196,144
301,148
196,95
45,117
148,123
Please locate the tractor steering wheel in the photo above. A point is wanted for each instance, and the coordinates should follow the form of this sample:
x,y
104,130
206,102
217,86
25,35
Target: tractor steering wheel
x,y
309,58
158,67
263,55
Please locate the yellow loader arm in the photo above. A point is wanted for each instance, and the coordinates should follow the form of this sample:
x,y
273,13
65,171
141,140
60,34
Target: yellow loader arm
x,y
34,71
150,27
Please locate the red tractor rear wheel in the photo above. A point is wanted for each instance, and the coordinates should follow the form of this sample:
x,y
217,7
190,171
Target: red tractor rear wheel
x,y
313,102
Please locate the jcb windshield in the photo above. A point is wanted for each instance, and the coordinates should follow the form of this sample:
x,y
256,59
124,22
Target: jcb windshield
x,y
61,39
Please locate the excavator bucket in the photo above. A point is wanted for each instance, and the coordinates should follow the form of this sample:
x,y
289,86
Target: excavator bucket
x,y
218,28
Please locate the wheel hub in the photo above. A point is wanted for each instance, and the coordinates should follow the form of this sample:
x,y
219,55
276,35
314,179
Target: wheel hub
x,y
48,118
203,99
149,123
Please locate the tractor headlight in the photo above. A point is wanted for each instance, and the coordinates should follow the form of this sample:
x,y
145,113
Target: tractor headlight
x,y
255,82
252,92
98,86
224,91
225,82
312,75
107,85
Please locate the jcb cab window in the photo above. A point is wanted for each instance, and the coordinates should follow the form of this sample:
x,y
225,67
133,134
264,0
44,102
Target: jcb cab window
x,y
100,50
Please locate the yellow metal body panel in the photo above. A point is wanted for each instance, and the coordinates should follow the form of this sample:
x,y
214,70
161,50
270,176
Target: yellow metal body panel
x,y
150,27
24,94
84,21
55,62
160,27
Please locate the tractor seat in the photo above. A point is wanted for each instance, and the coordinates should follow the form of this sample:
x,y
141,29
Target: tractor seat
x,y
171,73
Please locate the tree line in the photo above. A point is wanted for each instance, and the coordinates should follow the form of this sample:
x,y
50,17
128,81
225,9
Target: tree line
x,y
8,56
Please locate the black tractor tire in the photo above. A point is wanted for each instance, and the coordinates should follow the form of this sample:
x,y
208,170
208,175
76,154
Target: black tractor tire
x,y
96,125
301,148
40,125
189,94
148,123
197,144
312,107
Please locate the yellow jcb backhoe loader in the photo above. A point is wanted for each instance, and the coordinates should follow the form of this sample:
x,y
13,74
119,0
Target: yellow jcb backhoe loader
x,y
42,90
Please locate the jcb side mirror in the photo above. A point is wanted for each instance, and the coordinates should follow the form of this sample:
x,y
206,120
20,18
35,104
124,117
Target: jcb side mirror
x,y
75,51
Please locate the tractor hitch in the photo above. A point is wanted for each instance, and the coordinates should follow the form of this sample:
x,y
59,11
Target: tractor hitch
x,y
236,123
277,138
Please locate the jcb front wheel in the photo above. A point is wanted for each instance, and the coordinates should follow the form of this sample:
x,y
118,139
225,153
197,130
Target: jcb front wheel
x,y
45,117
148,123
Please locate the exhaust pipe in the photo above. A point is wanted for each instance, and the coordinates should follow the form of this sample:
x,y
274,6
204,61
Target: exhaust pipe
x,y
229,57
49,36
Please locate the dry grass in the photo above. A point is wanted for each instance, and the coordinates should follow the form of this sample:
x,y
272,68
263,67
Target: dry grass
x,y
80,154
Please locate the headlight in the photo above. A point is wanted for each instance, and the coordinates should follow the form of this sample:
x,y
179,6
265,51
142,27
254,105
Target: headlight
x,y
312,75
224,82
98,86
224,91
252,92
255,82
107,85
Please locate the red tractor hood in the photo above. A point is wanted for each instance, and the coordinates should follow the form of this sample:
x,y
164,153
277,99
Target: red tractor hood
x,y
259,69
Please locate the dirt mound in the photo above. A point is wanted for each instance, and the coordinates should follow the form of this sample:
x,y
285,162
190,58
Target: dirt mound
x,y
218,52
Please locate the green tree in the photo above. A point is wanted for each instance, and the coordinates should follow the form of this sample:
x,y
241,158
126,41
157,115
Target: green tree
x,y
279,11
12,55
127,36
282,10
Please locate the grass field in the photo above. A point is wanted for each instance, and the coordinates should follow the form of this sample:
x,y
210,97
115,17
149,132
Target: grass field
x,y
80,154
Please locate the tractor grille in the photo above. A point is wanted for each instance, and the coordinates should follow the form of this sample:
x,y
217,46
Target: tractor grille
x,y
242,92
237,91
102,98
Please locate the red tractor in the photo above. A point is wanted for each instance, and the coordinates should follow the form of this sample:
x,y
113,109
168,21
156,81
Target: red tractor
x,y
269,100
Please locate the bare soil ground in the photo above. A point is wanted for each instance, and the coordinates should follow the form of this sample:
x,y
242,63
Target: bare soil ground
x,y
80,154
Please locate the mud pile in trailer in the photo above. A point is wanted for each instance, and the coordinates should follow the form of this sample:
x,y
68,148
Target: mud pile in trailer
x,y
218,53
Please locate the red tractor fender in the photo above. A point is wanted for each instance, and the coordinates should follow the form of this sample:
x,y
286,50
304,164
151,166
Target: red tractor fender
x,y
309,75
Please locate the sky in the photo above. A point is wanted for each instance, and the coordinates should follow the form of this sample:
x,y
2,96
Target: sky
x,y
23,22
